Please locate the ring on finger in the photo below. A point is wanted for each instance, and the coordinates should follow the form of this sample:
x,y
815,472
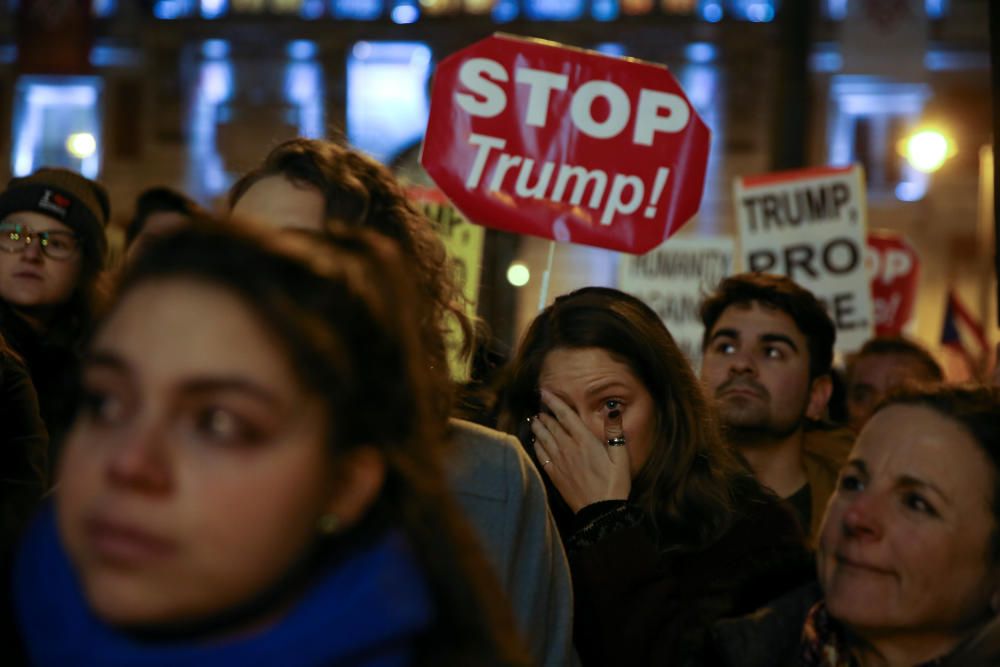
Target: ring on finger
x,y
617,441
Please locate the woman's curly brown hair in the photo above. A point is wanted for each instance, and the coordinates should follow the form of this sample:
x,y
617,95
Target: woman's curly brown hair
x,y
360,192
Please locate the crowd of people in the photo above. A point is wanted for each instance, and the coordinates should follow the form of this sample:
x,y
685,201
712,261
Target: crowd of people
x,y
242,447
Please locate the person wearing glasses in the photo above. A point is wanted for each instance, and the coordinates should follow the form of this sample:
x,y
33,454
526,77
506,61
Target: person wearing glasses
x,y
314,186
52,249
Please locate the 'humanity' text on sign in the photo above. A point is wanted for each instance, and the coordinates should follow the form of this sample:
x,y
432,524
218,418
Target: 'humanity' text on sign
x,y
674,279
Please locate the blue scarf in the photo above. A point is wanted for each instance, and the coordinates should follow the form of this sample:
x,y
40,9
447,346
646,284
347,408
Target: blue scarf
x,y
367,612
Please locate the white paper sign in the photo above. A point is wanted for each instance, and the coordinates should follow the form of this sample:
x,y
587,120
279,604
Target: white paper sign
x,y
674,278
811,225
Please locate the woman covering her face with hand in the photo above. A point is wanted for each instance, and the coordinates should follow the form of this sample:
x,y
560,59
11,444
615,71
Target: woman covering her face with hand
x,y
253,477
665,529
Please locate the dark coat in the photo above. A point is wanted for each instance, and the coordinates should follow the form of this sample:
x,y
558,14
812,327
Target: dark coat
x,y
23,450
54,366
769,637
639,605
772,637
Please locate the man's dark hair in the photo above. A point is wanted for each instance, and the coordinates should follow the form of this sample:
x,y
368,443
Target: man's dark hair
x,y
898,345
778,292
158,200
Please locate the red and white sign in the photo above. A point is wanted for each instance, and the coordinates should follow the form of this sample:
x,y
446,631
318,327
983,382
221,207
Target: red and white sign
x,y
895,272
538,138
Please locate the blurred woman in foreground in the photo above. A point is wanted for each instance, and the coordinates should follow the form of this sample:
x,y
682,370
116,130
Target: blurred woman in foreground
x,y
666,531
253,477
909,551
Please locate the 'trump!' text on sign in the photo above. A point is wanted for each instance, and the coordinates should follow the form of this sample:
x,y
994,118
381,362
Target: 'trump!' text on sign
x,y
543,139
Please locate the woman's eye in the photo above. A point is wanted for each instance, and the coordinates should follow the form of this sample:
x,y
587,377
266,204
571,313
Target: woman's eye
x,y
102,407
918,503
224,426
851,483
612,404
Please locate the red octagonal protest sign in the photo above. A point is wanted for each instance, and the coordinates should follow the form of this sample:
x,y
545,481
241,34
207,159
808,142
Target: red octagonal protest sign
x,y
538,138
895,270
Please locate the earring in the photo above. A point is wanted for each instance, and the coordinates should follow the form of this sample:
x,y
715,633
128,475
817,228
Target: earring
x,y
328,524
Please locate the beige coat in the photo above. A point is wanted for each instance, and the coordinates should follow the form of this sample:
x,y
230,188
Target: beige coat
x,y
824,453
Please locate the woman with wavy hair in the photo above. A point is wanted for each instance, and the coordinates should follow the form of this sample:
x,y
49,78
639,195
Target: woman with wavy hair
x,y
666,530
255,474
316,185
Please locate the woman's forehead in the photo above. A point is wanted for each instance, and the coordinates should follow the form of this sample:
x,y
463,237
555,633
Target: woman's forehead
x,y
38,222
915,441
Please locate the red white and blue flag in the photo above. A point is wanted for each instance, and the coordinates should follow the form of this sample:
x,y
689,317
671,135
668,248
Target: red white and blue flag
x,y
964,335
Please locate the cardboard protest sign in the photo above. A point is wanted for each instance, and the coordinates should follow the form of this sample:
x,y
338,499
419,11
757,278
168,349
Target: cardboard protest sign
x,y
674,278
811,225
538,138
895,273
464,243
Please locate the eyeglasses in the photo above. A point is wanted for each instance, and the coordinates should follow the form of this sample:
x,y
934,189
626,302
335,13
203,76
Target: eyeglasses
x,y
57,244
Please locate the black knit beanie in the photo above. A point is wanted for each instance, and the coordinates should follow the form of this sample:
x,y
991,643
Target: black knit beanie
x,y
79,203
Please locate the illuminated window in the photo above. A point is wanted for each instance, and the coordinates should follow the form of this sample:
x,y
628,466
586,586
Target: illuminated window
x,y
478,6
637,7
553,10
700,53
312,9
405,12
616,49
703,86
207,176
936,9
104,8
387,103
710,10
173,9
362,10
505,10
443,7
678,6
213,9
54,116
756,11
604,10
836,10
868,118
304,88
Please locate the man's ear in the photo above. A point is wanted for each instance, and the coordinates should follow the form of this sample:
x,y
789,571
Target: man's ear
x,y
359,480
820,390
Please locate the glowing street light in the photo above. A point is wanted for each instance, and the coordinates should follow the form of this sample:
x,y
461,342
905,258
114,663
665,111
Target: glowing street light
x,y
81,145
518,274
927,150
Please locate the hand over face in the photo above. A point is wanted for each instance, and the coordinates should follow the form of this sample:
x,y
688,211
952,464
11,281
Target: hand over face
x,y
583,467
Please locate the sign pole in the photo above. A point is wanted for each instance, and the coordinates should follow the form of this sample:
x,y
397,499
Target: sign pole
x,y
543,295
